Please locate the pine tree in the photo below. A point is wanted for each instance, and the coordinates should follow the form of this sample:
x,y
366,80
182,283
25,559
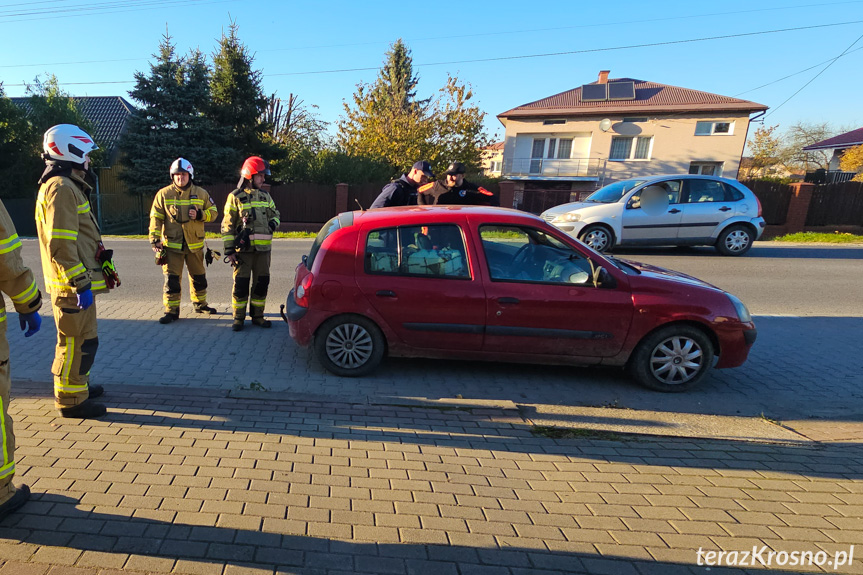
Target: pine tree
x,y
172,123
387,122
237,98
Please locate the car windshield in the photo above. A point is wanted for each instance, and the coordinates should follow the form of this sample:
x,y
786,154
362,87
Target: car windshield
x,y
613,192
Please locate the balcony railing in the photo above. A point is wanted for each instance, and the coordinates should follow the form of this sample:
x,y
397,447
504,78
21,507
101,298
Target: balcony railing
x,y
550,167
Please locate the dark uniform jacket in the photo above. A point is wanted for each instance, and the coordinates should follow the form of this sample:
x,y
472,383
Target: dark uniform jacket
x,y
468,194
401,192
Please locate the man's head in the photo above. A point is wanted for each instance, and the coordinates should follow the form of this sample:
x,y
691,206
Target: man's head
x,y
254,172
68,144
421,173
455,174
182,172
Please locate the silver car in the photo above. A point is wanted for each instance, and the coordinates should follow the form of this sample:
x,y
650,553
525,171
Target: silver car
x,y
684,210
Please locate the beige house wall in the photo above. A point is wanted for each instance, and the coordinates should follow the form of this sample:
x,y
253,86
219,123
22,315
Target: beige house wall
x,y
674,143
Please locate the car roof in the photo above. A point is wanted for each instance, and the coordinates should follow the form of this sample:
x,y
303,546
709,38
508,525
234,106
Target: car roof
x,y
649,179
406,215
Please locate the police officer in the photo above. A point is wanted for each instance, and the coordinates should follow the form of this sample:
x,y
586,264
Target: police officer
x,y
177,221
17,282
455,190
403,191
69,241
248,224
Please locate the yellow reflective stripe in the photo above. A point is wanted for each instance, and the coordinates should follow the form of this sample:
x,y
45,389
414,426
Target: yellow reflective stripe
x,y
9,244
26,295
157,215
231,208
194,247
227,237
58,234
69,388
67,363
3,315
57,284
260,204
72,272
262,242
175,245
7,470
84,208
239,304
5,440
259,302
98,284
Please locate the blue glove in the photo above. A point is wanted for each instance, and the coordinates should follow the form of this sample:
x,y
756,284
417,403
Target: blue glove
x,y
85,299
31,322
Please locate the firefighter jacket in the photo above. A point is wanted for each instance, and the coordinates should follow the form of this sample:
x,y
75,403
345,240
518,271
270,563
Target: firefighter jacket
x,y
249,221
68,237
170,221
16,280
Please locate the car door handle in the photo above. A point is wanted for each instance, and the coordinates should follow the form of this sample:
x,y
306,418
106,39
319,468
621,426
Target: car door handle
x,y
507,300
724,209
674,211
385,293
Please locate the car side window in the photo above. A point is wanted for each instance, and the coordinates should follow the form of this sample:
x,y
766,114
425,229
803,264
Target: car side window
x,y
671,187
435,250
705,191
521,254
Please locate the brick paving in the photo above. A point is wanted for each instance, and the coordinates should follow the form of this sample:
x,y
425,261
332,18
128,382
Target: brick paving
x,y
197,482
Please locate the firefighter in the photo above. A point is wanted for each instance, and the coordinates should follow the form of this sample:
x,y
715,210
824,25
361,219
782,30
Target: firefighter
x,y
17,282
71,248
177,220
248,224
455,190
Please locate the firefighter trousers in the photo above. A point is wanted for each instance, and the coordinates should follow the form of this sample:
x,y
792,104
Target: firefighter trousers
x,y
7,464
173,269
76,349
252,272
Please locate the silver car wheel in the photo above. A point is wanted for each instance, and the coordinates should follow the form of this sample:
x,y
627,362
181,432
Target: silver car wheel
x,y
676,360
349,346
737,241
598,239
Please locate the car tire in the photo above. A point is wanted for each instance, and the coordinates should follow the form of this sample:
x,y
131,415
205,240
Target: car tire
x,y
599,238
349,345
735,240
672,359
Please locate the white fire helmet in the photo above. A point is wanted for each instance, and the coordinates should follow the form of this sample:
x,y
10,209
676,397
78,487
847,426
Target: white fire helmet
x,y
68,143
183,165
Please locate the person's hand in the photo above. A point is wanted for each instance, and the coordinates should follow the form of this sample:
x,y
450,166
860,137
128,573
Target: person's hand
x,y
272,225
231,259
31,322
157,246
85,299
193,214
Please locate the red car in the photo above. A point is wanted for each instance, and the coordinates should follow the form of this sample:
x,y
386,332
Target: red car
x,y
502,285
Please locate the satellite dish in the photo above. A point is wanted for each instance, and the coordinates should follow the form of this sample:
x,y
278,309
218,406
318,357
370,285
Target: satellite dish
x,y
605,125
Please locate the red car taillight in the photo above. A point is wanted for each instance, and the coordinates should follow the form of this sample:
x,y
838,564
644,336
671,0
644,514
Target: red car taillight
x,y
759,206
301,296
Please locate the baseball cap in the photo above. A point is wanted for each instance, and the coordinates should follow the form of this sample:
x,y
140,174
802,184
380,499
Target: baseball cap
x,y
425,168
455,168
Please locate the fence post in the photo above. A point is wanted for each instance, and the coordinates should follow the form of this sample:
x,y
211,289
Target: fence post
x,y
798,207
507,194
342,198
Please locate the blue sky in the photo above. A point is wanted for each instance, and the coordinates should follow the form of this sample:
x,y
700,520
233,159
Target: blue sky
x,y
101,41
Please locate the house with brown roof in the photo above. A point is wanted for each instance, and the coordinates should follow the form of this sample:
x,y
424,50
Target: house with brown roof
x,y
491,160
838,145
614,129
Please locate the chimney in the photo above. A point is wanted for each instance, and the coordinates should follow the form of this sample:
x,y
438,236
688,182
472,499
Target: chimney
x,y
603,77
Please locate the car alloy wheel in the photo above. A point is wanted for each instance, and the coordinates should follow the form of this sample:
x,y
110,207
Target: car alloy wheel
x,y
676,360
737,241
349,346
597,238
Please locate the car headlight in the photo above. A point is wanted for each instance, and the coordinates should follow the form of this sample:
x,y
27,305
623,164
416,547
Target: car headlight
x,y
740,307
567,217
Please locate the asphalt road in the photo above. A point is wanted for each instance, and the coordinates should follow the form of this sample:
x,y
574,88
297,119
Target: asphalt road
x,y
772,279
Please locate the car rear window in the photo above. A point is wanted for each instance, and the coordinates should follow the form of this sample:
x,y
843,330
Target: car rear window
x,y
343,220
436,250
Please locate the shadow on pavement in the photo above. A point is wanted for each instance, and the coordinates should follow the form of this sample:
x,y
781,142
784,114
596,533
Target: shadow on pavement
x,y
57,521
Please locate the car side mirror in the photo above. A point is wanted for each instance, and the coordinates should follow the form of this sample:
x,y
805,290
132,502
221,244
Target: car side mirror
x,y
603,279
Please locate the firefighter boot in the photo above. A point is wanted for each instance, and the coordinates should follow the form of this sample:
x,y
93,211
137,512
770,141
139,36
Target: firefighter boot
x,y
238,324
86,410
96,391
169,317
204,308
19,498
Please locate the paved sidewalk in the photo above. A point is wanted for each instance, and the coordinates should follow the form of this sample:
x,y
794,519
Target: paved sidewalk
x,y
194,482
